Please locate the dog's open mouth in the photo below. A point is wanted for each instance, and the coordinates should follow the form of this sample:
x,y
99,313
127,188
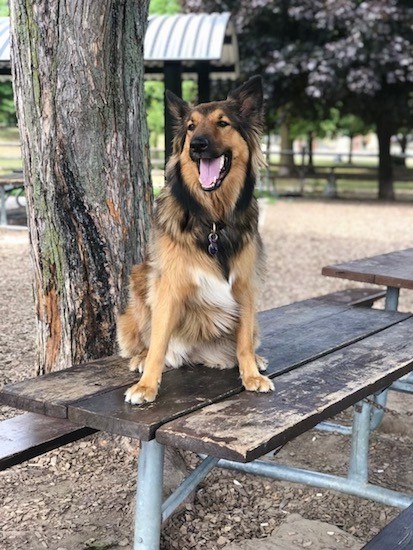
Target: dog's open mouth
x,y
212,171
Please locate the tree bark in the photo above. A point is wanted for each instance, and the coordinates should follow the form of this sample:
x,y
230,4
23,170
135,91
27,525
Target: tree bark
x,y
286,155
384,133
78,81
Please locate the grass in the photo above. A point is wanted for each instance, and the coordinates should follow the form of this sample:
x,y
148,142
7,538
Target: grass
x,y
10,154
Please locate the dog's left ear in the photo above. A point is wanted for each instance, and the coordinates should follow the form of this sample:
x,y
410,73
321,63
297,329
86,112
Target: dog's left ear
x,y
249,97
177,106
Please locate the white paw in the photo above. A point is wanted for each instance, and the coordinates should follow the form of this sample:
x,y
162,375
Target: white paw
x,y
258,383
140,393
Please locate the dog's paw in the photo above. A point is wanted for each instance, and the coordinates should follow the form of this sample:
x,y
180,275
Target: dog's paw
x,y
259,383
262,363
140,393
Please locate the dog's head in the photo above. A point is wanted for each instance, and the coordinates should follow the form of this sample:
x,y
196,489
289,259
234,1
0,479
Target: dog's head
x,y
217,143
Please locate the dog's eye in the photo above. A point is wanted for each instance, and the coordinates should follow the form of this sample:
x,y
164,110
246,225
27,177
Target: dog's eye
x,y
191,127
222,123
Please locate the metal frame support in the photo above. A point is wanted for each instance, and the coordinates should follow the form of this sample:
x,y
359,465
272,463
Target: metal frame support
x,y
322,480
149,496
187,486
3,212
392,298
358,468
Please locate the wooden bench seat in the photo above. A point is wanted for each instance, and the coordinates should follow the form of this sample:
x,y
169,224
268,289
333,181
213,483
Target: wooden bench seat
x,y
397,535
29,435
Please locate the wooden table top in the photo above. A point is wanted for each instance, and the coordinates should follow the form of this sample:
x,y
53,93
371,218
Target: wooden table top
x,y
393,269
310,347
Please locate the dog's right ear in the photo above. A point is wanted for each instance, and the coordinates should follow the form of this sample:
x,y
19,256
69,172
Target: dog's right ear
x,y
178,108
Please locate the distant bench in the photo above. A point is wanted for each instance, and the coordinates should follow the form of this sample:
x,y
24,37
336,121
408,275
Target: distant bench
x,y
331,175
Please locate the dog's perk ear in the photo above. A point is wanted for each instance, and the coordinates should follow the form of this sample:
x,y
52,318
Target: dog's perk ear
x,y
249,97
177,106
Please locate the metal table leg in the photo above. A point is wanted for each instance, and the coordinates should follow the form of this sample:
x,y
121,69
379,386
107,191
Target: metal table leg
x,y
149,496
358,468
3,213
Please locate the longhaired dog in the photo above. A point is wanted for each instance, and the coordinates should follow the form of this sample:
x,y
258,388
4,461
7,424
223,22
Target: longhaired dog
x,y
193,300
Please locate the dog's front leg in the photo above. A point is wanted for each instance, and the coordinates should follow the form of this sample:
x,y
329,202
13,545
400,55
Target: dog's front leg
x,y
165,315
247,360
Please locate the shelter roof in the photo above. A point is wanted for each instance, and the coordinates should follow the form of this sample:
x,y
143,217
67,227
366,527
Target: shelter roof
x,y
186,38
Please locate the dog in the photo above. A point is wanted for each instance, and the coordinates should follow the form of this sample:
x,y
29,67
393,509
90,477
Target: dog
x,y
193,299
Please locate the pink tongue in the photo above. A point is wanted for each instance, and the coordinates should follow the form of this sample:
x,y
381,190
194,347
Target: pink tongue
x,y
209,171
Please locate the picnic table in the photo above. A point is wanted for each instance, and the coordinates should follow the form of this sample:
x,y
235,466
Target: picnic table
x,y
393,270
323,356
9,182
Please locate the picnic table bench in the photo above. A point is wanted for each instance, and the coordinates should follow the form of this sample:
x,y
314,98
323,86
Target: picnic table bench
x,y
324,357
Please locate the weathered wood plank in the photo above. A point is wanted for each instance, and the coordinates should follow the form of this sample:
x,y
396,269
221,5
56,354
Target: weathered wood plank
x,y
397,535
50,394
291,335
182,391
29,435
250,425
360,296
286,343
393,269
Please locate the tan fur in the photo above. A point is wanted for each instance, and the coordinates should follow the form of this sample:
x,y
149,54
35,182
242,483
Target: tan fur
x,y
182,309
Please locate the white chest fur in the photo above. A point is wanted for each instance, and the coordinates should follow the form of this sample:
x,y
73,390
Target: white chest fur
x,y
215,292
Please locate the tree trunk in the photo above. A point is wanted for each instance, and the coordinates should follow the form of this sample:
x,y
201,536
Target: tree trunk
x,y
78,80
384,133
286,155
310,164
350,149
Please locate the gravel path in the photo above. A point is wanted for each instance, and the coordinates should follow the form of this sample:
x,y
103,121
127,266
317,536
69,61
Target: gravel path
x,y
81,497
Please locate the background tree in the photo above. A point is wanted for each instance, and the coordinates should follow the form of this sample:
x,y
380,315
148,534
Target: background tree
x,y
78,81
352,53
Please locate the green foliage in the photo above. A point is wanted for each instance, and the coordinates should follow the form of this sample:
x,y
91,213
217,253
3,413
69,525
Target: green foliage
x,y
7,109
4,8
154,100
164,7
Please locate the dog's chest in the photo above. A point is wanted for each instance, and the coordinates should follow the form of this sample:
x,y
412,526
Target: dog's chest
x,y
214,292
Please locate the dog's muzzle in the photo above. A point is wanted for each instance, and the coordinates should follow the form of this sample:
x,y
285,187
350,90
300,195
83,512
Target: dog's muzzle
x,y
212,168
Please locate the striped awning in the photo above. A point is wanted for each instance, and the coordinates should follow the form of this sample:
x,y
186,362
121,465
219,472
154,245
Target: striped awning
x,y
185,38
4,39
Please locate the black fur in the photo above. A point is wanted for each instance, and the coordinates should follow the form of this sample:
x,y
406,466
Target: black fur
x,y
232,235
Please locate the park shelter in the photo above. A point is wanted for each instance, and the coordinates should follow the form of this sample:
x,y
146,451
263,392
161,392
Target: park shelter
x,y
200,46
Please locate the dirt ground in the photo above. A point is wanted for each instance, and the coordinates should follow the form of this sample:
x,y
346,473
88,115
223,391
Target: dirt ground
x,y
82,496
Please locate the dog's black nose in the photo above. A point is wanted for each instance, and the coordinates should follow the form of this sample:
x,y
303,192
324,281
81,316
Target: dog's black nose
x,y
199,144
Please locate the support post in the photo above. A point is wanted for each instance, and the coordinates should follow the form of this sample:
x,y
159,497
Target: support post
x,y
358,468
392,298
203,70
149,496
172,71
3,213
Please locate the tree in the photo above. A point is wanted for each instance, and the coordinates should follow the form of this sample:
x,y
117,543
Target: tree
x,y
353,53
78,81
